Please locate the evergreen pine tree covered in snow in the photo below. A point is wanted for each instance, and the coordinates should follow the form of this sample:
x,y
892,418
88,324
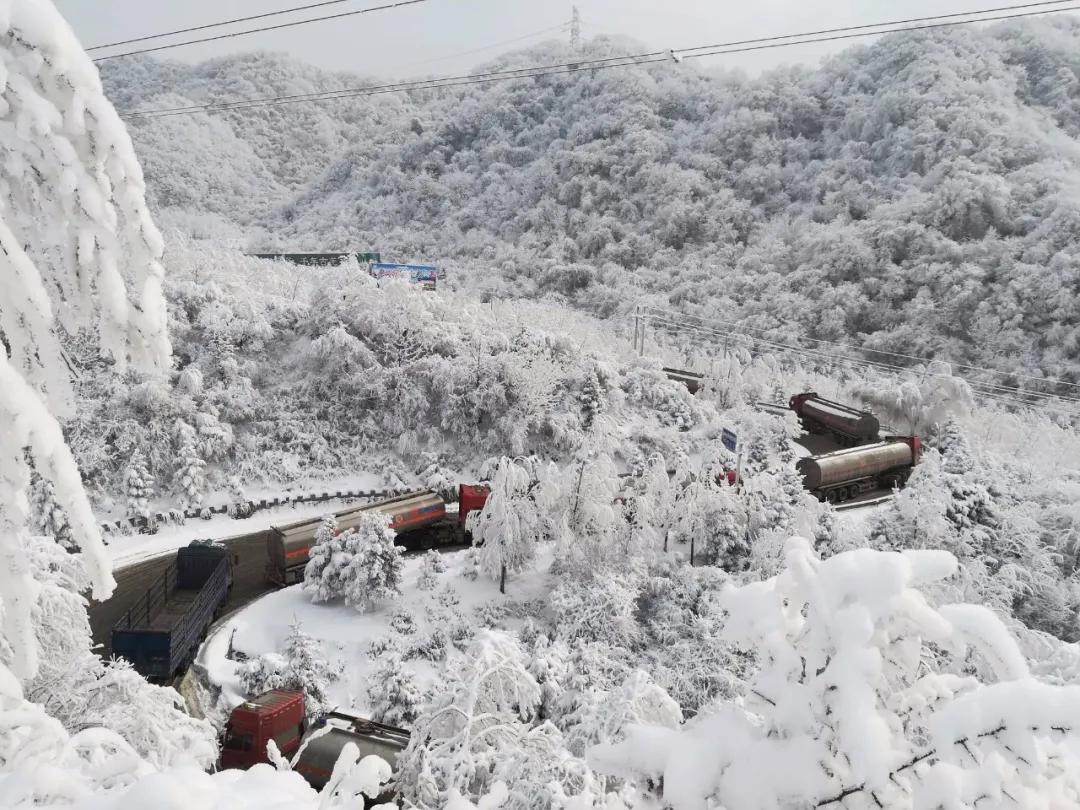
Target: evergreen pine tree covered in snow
x,y
317,574
189,480
393,692
49,517
138,486
363,566
299,664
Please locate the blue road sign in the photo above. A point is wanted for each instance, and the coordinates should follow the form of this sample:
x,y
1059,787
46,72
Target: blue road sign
x,y
729,440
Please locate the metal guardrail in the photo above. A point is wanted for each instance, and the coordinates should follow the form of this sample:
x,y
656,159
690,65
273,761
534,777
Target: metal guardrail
x,y
872,502
241,508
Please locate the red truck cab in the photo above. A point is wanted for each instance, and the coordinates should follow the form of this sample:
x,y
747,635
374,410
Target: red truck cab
x,y
276,715
470,498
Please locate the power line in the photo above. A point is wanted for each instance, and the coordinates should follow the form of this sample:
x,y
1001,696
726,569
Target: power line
x,y
902,355
989,389
396,87
725,49
931,18
651,57
994,392
208,26
276,27
559,27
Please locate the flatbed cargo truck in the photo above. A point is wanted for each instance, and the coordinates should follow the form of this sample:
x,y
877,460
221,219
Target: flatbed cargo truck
x,y
160,634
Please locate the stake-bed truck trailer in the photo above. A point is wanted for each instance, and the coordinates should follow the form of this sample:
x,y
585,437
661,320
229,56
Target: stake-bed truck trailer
x,y
161,632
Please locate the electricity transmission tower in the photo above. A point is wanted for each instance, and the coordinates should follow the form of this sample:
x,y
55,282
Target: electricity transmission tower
x,y
575,31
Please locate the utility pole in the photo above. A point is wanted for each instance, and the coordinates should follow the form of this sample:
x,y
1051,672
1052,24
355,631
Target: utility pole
x,y
575,31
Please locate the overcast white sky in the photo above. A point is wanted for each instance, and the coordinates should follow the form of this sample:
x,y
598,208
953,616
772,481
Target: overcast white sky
x,y
430,37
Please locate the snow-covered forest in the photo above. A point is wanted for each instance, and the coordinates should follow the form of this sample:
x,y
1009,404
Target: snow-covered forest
x,y
909,195
630,629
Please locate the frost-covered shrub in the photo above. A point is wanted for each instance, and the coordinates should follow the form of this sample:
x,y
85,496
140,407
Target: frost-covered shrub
x,y
598,608
490,614
432,646
430,569
393,693
239,505
300,665
478,714
403,621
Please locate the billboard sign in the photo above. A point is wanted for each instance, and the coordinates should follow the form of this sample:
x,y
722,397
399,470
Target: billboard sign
x,y
424,274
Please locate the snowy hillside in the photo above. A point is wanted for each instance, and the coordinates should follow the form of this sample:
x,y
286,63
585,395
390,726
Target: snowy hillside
x,y
664,603
282,374
916,195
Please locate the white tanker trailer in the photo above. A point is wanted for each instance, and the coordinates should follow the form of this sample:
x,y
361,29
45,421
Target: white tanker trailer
x,y
846,474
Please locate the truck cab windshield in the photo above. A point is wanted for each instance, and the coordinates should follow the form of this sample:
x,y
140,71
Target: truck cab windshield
x,y
237,742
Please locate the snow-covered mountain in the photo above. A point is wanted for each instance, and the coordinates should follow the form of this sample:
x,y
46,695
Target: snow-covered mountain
x,y
917,195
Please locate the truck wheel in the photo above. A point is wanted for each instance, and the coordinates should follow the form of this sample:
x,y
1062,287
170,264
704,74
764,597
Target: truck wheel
x,y
830,496
854,492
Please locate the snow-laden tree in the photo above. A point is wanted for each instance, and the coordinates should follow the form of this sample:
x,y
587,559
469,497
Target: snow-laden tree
x,y
49,517
299,664
316,572
374,575
393,692
138,486
854,701
75,235
657,509
430,568
481,712
81,691
189,479
361,565
515,517
590,523
638,700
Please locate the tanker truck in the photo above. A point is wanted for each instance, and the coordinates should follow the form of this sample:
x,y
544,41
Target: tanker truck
x,y
846,474
846,425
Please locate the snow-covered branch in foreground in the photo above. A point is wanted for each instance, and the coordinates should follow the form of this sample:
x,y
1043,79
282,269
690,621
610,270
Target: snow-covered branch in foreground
x,y
854,703
27,425
73,201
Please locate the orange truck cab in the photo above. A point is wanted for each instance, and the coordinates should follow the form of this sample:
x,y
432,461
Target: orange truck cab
x,y
276,715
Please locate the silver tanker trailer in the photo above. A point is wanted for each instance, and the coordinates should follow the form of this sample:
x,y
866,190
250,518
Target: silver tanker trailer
x,y
848,473
320,750
845,424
